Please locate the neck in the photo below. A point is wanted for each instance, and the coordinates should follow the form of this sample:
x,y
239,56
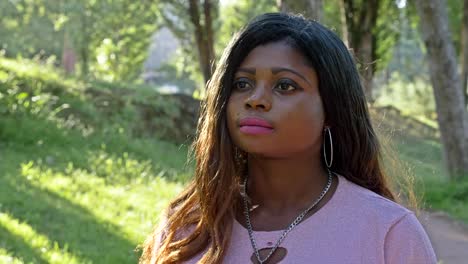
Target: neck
x,y
280,184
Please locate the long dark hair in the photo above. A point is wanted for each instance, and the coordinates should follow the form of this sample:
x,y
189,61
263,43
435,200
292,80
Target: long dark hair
x,y
208,205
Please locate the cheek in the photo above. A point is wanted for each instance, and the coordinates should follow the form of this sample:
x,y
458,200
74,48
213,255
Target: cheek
x,y
231,113
315,112
307,121
309,108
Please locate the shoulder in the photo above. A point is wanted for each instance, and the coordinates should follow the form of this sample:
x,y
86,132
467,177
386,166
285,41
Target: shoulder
x,y
386,222
407,242
366,204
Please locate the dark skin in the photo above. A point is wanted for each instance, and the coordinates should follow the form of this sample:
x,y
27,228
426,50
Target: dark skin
x,y
275,83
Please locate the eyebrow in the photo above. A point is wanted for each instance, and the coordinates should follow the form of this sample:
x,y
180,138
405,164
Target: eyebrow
x,y
247,70
275,70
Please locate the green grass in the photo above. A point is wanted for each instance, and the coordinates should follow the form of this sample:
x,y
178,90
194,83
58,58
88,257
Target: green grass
x,y
75,185
448,196
432,185
423,157
69,199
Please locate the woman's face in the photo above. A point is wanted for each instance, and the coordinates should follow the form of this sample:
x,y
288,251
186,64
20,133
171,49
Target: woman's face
x,y
275,109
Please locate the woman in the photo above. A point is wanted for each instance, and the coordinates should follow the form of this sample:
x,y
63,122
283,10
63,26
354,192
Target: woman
x,y
287,163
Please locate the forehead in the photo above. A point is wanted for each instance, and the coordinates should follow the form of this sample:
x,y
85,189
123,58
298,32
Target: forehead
x,y
275,55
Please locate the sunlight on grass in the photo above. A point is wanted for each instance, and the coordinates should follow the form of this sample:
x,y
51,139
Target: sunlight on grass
x,y
42,71
104,193
40,244
6,257
132,206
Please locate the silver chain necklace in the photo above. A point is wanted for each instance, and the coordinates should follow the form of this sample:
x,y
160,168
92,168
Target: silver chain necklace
x,y
287,230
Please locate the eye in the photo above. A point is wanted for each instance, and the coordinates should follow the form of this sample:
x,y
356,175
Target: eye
x,y
286,86
242,84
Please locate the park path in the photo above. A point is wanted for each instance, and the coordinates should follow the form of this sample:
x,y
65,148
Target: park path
x,y
449,238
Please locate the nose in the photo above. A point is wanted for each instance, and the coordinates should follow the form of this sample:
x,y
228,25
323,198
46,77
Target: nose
x,y
259,99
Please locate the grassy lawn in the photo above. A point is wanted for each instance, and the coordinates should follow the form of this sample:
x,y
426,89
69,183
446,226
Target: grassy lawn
x,y
69,199
75,185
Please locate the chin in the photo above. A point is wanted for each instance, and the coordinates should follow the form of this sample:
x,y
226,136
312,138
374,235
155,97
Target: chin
x,y
262,150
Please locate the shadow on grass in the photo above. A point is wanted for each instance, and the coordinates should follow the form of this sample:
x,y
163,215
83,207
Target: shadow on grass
x,y
63,222
26,138
20,248
33,138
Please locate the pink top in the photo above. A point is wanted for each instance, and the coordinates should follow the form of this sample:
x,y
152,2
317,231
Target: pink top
x,y
354,226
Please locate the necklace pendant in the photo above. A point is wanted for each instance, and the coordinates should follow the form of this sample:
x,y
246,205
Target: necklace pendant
x,y
278,256
255,206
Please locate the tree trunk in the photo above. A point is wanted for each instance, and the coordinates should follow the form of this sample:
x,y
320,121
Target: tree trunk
x,y
68,52
68,55
84,46
203,35
344,27
464,52
359,24
208,36
312,9
446,83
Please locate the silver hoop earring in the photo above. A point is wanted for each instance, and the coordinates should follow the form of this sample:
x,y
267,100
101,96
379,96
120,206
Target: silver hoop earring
x,y
329,163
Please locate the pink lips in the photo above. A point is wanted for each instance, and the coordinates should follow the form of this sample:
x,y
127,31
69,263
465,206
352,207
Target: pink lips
x,y
255,126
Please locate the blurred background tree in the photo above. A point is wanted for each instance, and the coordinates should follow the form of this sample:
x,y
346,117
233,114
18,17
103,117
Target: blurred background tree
x,y
446,83
192,23
108,39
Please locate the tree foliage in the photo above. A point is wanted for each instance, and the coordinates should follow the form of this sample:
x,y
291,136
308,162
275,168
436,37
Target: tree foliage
x,y
236,14
26,29
312,9
109,38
